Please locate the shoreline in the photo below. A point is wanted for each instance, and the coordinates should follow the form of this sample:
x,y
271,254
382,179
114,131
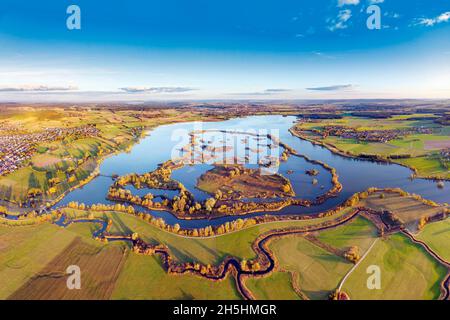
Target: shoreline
x,y
268,219
277,205
148,130
339,152
96,172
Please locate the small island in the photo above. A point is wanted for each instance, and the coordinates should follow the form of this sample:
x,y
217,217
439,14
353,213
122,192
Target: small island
x,y
236,182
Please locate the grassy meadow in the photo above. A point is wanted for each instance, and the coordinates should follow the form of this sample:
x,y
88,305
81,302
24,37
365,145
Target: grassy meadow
x,y
423,148
277,286
437,236
315,270
25,251
204,250
407,272
143,277
319,270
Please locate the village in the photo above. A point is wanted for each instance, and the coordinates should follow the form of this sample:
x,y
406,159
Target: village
x,y
382,136
17,148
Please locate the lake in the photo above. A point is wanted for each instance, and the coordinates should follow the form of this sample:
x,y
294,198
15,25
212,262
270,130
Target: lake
x,y
160,144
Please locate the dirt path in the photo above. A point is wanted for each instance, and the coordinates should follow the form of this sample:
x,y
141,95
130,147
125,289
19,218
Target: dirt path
x,y
232,264
356,265
264,254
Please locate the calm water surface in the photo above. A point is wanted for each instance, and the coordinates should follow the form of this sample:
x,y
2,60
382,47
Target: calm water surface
x,y
157,147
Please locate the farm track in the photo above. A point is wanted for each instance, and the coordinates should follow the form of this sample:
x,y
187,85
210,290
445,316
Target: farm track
x,y
261,247
341,284
230,264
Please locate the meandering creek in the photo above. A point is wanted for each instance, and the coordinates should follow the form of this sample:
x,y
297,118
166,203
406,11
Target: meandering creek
x,y
157,147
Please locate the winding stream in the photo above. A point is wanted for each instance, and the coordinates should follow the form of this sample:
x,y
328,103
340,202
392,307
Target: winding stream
x,y
354,174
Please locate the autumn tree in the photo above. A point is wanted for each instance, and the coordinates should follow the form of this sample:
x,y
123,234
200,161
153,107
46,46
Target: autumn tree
x,y
352,254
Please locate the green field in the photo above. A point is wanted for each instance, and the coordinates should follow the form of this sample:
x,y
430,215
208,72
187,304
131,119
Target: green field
x,y
424,155
320,271
360,232
277,286
437,236
407,272
24,251
143,277
310,265
53,164
209,250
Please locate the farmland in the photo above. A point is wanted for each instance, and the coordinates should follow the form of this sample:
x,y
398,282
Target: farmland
x,y
319,270
25,251
436,236
408,209
421,151
148,250
204,250
61,165
143,277
101,267
407,272
224,150
312,264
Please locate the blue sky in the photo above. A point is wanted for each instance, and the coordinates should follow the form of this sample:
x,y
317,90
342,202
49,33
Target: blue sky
x,y
140,50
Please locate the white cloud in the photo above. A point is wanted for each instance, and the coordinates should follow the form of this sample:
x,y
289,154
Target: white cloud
x,y
347,2
344,15
341,19
375,1
443,17
276,90
36,88
337,87
156,89
429,22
